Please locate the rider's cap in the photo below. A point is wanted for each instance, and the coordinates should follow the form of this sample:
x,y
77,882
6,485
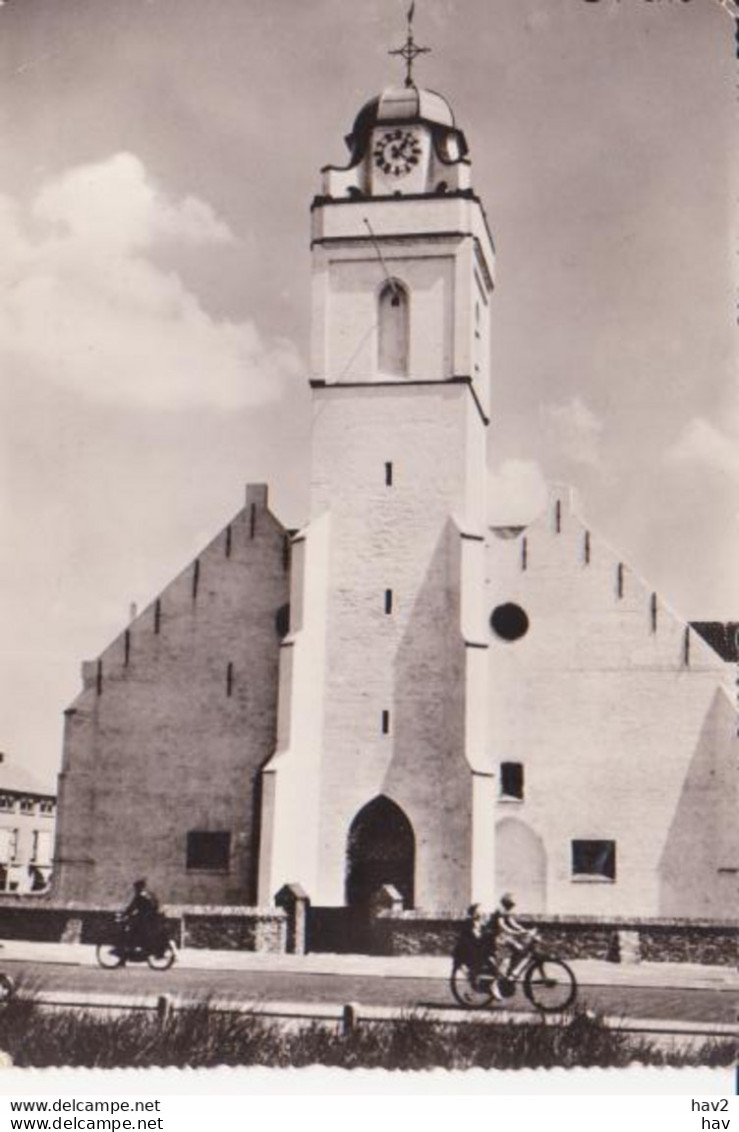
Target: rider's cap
x,y
507,900
140,883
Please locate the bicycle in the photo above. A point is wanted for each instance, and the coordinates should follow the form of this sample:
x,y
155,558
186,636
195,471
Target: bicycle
x,y
548,983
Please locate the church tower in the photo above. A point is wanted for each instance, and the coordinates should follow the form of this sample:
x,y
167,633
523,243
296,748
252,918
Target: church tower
x,y
381,773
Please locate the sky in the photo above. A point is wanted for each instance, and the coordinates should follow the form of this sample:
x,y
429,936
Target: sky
x,y
157,163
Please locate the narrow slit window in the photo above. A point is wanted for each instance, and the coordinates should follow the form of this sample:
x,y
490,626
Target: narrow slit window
x,y
388,475
195,578
126,647
386,723
157,616
252,520
229,678
388,601
511,781
228,541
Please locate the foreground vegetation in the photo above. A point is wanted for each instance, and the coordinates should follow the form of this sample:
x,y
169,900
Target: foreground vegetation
x,y
200,1037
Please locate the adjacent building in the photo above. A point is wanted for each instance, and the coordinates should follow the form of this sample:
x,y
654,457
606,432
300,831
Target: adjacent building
x,y
27,820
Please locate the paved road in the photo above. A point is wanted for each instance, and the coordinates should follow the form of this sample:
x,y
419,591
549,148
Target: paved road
x,y
244,986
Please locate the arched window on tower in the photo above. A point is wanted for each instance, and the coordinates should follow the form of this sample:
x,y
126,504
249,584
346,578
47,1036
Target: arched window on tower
x,y
392,338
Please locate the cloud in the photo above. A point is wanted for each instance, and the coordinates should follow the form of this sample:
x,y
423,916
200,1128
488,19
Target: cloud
x,y
575,430
701,443
83,304
517,492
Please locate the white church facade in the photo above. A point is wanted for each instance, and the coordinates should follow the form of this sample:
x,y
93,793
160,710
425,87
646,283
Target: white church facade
x,y
398,693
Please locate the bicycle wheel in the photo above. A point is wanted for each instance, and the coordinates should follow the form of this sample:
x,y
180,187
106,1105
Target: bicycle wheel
x,y
109,956
550,985
472,991
7,986
163,959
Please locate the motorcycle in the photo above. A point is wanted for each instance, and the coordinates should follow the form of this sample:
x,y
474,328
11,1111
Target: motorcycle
x,y
159,951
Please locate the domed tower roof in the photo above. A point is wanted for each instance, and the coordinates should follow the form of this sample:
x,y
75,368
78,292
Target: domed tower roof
x,y
402,104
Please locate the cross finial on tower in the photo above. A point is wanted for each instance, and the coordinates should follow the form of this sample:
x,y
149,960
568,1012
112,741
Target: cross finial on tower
x,y
410,50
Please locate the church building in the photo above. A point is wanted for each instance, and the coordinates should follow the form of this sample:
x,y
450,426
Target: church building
x,y
398,692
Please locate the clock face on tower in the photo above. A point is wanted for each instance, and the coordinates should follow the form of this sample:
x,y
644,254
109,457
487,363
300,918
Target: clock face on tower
x,y
396,152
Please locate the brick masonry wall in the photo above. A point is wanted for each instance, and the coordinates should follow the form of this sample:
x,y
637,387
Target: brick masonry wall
x,y
244,929
235,929
166,738
572,937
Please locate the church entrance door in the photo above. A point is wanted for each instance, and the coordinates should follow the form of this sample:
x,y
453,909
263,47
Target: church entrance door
x,y
381,849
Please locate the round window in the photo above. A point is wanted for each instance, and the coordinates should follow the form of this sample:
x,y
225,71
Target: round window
x,y
509,621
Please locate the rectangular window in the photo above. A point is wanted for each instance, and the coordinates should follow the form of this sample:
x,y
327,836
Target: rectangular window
x,y
28,806
47,807
388,601
511,780
388,475
209,851
385,722
594,859
7,803
6,846
42,847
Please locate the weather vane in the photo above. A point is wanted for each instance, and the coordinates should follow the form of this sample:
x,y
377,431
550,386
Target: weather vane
x,y
410,50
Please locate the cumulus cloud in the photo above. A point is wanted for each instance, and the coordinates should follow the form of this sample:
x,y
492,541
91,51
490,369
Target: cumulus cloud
x,y
517,492
575,430
701,443
83,303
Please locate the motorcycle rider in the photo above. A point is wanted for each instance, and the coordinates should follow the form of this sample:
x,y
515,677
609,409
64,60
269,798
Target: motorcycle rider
x,y
141,918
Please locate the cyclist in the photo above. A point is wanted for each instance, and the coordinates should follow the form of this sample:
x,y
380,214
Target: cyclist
x,y
512,940
474,943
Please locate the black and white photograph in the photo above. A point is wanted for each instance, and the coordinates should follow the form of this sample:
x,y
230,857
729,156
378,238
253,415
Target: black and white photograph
x,y
370,572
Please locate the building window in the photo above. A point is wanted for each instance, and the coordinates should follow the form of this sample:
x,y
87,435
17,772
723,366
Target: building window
x,y
46,807
386,723
7,803
8,846
388,475
209,851
42,847
388,601
509,621
392,330
28,806
511,781
594,859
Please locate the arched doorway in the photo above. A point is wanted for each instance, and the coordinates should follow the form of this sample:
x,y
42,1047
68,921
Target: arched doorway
x,y
521,865
381,849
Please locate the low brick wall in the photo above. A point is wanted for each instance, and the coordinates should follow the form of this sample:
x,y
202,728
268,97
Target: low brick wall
x,y
573,937
235,929
240,928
